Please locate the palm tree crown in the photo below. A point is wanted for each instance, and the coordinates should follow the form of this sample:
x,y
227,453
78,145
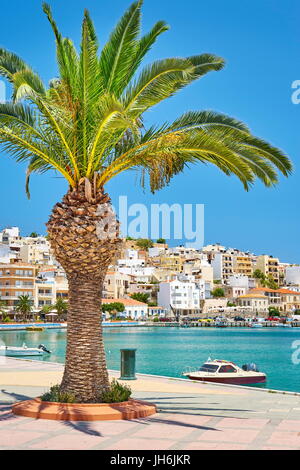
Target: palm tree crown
x,y
88,124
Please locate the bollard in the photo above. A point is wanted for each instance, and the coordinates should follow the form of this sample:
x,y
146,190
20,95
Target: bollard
x,y
128,364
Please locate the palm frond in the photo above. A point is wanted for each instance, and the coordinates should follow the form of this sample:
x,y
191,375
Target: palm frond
x,y
144,45
120,51
89,122
164,78
10,64
36,165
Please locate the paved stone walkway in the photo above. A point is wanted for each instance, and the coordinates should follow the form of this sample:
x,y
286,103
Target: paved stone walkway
x,y
191,416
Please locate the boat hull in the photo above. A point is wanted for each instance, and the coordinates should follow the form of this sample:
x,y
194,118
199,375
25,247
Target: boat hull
x,y
231,380
28,352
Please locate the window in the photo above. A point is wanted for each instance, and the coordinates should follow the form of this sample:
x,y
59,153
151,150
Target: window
x,y
209,368
227,369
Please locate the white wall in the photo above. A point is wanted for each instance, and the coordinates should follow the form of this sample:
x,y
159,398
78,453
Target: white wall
x,y
292,275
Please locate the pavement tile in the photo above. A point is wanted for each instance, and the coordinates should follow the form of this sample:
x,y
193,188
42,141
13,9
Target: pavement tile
x,y
69,442
9,419
239,436
104,428
163,431
213,446
141,444
190,420
12,438
200,445
242,423
42,425
288,425
285,438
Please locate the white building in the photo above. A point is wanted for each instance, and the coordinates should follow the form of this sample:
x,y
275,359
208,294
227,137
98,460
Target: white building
x,y
292,275
6,254
223,266
139,274
50,285
182,296
133,308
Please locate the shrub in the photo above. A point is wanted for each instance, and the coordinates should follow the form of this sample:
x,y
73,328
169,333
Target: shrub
x,y
55,395
117,393
155,319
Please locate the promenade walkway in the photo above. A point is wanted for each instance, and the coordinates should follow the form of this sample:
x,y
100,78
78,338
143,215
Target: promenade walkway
x,y
190,416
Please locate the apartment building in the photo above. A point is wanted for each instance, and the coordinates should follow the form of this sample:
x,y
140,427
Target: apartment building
x,y
181,296
115,285
35,251
200,268
269,266
172,262
16,279
243,264
273,296
290,300
257,303
50,285
222,264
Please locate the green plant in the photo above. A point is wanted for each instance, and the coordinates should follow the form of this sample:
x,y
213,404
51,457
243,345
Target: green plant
x,y
116,393
61,306
140,297
156,319
6,320
218,292
24,305
274,312
144,243
56,395
113,308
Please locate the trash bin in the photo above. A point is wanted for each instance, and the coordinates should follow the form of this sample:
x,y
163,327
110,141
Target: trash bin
x,y
128,364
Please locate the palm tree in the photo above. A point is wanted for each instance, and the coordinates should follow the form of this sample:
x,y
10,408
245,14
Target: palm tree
x,y
3,311
24,305
61,306
88,126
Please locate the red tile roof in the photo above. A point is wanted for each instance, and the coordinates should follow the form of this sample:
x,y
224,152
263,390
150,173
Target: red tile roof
x,y
126,302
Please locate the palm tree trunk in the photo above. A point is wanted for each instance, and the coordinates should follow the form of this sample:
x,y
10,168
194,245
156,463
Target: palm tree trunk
x,y
85,373
84,235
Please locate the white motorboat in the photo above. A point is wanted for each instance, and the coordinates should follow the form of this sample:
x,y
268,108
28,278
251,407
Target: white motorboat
x,y
227,372
256,325
15,351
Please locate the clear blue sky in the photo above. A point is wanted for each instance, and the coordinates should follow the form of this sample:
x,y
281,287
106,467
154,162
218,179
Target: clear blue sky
x,y
261,44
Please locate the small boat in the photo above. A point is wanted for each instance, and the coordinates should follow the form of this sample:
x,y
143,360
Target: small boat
x,y
256,325
221,324
227,372
15,351
34,328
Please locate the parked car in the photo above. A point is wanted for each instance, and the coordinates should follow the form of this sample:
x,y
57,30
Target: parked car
x,y
239,319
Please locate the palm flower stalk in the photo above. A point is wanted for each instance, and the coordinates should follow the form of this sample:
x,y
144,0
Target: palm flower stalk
x,y
88,126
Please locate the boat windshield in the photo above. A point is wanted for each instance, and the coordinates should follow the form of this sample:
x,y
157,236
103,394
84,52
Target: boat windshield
x,y
209,368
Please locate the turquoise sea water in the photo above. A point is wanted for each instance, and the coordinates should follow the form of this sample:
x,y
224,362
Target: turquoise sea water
x,y
167,351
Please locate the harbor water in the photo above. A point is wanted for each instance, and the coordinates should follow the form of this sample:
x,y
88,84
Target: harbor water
x,y
168,351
